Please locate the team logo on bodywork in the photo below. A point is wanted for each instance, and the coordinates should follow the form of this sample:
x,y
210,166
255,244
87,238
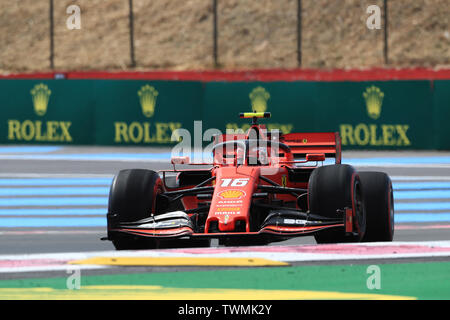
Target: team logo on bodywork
x,y
232,194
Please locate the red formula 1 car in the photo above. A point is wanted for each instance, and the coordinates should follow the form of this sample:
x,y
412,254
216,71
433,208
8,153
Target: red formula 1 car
x,y
259,188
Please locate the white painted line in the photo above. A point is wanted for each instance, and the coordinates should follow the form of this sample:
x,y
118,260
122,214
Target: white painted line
x,y
420,178
335,252
400,165
51,268
88,158
111,175
163,158
101,231
217,251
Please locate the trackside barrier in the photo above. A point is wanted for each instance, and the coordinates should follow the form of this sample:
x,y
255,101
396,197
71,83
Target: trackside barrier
x,y
402,114
441,114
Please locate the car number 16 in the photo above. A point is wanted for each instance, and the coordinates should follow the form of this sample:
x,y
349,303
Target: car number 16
x,y
238,182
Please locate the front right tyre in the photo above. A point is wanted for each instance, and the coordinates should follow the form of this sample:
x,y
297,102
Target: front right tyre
x,y
332,188
134,196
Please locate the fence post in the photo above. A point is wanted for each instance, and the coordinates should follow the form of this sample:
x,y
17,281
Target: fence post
x,y
131,20
215,32
52,44
385,7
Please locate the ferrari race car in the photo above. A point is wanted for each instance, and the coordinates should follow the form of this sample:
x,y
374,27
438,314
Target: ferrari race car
x,y
259,188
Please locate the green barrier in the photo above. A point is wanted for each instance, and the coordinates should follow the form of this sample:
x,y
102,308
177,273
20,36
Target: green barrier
x,y
102,112
442,113
143,112
368,115
380,115
46,112
291,104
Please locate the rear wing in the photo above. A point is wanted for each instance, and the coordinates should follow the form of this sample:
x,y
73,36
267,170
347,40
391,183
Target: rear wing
x,y
301,144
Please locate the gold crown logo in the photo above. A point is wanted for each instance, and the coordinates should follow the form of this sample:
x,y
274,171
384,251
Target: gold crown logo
x,y
147,96
374,100
231,194
259,97
41,95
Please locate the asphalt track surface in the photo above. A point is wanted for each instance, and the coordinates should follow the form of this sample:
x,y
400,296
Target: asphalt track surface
x,y
26,232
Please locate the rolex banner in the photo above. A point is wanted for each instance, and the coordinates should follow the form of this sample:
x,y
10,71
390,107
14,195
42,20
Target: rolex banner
x,y
291,105
46,112
384,115
101,112
368,115
145,113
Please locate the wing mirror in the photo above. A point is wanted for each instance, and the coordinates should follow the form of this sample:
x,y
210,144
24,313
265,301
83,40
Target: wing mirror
x,y
315,157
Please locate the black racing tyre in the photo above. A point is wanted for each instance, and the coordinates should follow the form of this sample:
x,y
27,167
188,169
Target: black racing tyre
x,y
332,188
379,203
132,197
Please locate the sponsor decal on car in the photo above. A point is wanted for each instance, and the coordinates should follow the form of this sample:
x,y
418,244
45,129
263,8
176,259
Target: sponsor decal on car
x,y
228,202
226,212
229,209
295,221
232,194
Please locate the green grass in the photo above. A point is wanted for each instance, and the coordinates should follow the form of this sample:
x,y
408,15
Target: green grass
x,y
430,280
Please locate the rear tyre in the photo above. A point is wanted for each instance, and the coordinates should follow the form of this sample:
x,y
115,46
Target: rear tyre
x,y
379,203
132,197
333,188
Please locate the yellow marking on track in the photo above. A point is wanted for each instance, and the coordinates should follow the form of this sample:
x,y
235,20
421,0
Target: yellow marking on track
x,y
121,287
118,292
180,261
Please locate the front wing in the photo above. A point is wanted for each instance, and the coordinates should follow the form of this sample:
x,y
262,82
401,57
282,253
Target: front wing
x,y
179,225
